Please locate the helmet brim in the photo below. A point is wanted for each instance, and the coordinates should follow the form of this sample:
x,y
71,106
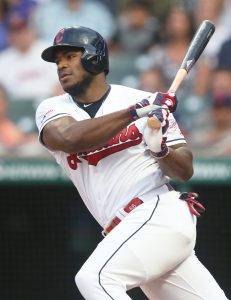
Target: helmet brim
x,y
49,53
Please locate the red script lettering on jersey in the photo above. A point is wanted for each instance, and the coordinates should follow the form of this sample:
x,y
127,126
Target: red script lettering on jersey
x,y
128,137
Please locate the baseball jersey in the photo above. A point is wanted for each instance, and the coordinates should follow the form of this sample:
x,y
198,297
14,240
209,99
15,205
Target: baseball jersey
x,y
108,177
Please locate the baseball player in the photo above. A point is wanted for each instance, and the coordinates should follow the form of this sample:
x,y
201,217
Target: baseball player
x,y
102,137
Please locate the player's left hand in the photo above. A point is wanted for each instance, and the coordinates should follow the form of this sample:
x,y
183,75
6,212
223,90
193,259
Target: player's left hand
x,y
156,138
143,108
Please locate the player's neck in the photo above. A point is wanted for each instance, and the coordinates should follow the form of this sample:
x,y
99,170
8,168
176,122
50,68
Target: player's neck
x,y
96,91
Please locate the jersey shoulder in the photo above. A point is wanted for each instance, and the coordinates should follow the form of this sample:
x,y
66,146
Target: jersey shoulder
x,y
61,99
52,108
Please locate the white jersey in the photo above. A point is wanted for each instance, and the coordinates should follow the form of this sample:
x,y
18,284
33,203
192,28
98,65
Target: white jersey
x,y
108,177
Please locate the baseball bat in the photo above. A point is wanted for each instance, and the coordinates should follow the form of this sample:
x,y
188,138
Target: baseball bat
x,y
195,49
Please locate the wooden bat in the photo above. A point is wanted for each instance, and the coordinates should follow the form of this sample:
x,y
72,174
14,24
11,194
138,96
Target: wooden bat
x,y
195,49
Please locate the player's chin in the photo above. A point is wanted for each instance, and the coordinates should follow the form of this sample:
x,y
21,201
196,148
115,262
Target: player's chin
x,y
67,85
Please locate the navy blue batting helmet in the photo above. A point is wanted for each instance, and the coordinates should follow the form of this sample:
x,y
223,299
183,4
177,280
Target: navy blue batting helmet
x,y
95,51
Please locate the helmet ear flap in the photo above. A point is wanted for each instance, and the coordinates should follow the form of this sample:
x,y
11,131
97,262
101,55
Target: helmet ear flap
x,y
95,59
92,63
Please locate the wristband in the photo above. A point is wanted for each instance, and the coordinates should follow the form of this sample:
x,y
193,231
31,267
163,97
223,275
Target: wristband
x,y
162,154
141,109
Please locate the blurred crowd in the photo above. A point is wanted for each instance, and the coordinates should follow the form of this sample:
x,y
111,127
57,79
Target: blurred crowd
x,y
147,40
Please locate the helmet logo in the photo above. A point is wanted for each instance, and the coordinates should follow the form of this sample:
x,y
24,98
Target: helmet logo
x,y
59,36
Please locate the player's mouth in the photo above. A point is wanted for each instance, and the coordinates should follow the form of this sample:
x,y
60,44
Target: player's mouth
x,y
64,76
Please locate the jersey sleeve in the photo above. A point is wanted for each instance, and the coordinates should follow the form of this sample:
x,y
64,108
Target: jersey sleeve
x,y
174,134
47,111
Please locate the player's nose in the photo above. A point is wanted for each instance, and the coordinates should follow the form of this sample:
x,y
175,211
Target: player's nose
x,y
61,63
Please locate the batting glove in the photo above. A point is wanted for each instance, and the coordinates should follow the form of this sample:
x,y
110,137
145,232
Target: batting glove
x,y
194,206
146,106
165,100
155,138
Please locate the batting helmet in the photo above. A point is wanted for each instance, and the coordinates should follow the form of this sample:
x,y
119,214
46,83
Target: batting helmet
x,y
95,55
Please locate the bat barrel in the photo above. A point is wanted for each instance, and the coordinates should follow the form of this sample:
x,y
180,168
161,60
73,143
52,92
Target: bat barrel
x,y
198,44
196,47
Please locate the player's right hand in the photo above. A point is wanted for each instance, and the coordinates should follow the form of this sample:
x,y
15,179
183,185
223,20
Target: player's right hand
x,y
156,137
146,106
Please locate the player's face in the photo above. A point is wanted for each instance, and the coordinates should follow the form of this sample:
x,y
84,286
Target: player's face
x,y
74,79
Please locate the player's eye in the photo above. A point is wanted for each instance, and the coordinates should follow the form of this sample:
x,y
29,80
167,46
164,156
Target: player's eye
x,y
71,55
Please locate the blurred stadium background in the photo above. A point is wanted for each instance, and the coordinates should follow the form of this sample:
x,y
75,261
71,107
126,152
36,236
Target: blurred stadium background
x,y
46,232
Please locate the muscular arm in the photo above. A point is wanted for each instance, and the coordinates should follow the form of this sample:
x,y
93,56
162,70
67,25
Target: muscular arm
x,y
71,136
178,164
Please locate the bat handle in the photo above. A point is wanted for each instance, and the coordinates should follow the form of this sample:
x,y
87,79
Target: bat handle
x,y
179,78
153,122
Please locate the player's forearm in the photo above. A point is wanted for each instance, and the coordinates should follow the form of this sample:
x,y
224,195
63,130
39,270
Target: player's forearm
x,y
71,136
178,164
88,134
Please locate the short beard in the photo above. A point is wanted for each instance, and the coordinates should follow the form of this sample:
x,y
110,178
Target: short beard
x,y
80,88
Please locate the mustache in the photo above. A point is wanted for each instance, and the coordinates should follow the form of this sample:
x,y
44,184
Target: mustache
x,y
62,73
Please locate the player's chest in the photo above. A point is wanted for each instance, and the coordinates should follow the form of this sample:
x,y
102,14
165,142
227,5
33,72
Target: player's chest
x,y
94,110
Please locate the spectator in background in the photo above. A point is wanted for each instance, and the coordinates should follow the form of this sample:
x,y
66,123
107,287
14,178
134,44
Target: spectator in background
x,y
214,139
152,80
137,31
3,26
212,10
137,27
226,13
177,32
11,137
224,57
23,72
158,8
23,5
53,15
112,5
